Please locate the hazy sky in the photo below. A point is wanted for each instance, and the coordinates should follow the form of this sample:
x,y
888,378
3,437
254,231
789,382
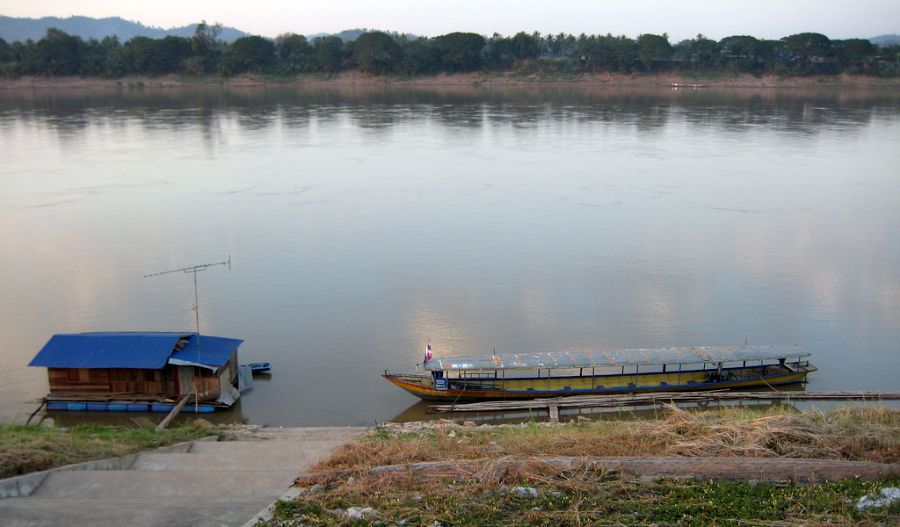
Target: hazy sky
x,y
680,19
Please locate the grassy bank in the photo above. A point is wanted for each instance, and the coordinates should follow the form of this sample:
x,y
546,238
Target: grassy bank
x,y
351,477
25,449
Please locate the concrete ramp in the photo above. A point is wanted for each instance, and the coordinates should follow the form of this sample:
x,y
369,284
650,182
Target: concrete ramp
x,y
200,484
75,512
208,483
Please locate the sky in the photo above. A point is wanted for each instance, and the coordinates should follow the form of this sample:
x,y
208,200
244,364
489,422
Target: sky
x,y
679,19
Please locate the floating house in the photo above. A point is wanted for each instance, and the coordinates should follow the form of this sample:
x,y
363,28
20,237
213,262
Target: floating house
x,y
141,371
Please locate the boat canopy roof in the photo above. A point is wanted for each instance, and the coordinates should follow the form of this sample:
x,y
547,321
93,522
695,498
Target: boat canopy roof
x,y
627,357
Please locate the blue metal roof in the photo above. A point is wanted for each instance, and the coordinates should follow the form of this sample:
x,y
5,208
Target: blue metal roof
x,y
212,351
129,350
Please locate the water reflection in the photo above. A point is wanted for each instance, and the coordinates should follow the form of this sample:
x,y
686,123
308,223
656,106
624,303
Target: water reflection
x,y
69,112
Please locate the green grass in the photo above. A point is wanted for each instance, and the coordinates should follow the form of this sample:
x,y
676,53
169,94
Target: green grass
x,y
25,449
599,502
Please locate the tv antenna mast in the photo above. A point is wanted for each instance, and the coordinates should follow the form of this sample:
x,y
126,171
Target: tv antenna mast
x,y
194,269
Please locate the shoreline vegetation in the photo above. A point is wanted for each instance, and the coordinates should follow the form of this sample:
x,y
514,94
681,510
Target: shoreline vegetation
x,y
503,474
58,59
350,80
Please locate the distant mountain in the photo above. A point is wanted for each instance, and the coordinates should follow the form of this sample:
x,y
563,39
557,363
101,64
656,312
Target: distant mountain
x,y
21,29
347,35
886,40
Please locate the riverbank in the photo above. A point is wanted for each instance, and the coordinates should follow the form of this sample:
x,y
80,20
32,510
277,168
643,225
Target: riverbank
x,y
25,449
403,474
481,79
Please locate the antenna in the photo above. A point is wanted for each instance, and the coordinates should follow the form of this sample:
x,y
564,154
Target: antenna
x,y
194,269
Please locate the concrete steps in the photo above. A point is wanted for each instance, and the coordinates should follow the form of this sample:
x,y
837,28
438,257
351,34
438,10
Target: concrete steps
x,y
308,434
217,463
165,484
283,449
241,455
32,512
206,483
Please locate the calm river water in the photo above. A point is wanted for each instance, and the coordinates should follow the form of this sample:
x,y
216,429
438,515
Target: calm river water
x,y
362,223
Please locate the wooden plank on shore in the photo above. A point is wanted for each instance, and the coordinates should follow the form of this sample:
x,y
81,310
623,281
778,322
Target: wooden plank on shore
x,y
659,398
165,422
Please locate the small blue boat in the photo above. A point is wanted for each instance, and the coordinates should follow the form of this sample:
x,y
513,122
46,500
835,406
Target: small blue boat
x,y
260,367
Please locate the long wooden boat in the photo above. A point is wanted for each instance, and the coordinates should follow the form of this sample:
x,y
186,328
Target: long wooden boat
x,y
529,375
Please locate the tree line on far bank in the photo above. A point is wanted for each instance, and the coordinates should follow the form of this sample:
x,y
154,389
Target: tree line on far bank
x,y
378,53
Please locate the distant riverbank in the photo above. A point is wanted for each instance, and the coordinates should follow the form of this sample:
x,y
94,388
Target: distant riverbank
x,y
355,79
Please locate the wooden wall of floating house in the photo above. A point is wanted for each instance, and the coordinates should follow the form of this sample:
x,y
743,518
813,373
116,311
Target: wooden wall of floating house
x,y
109,381
204,380
76,381
207,382
185,379
158,382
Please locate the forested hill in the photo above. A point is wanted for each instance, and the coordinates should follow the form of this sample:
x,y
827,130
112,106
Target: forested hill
x,y
22,29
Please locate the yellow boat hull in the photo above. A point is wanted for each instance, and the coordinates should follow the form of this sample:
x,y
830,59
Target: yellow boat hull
x,y
422,386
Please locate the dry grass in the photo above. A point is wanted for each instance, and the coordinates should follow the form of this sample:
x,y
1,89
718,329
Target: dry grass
x,y
486,493
857,434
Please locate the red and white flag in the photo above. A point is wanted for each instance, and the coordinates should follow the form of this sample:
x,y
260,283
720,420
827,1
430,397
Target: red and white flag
x,y
428,351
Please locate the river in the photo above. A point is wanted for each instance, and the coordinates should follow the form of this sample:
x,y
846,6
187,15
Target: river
x,y
362,223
